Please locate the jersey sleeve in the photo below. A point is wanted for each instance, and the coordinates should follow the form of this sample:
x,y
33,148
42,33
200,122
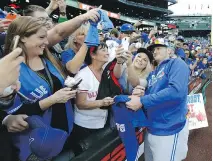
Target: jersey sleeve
x,y
84,85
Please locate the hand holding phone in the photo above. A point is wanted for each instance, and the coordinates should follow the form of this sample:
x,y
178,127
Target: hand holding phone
x,y
76,85
72,83
15,41
9,90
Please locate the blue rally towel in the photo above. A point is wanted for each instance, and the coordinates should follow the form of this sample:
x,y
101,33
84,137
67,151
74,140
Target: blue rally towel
x,y
45,142
126,120
92,38
105,21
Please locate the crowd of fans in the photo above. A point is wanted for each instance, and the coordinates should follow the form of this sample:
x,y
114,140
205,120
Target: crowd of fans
x,y
38,75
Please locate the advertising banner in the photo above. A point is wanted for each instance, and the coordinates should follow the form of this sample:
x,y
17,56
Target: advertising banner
x,y
197,113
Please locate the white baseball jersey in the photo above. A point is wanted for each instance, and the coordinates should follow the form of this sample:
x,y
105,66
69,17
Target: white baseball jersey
x,y
93,118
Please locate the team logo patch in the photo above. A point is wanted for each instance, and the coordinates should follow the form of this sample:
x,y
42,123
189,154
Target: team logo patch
x,y
155,78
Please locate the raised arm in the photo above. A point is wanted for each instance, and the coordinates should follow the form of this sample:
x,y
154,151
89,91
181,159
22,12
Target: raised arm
x,y
63,30
75,64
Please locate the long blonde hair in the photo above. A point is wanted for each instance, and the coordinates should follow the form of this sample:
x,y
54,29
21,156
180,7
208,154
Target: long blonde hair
x,y
71,41
25,26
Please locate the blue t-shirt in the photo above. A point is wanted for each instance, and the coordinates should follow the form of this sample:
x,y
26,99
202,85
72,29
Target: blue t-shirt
x,y
68,55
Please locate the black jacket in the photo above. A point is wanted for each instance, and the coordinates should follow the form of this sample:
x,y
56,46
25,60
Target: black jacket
x,y
109,85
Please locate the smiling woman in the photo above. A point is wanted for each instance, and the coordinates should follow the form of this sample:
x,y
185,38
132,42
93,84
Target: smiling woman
x,y
89,118
136,72
42,80
35,44
27,37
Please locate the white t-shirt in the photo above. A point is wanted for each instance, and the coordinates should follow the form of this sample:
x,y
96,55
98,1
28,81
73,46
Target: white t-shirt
x,y
92,118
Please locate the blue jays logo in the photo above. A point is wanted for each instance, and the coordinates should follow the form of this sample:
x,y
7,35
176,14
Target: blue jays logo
x,y
155,78
31,140
120,127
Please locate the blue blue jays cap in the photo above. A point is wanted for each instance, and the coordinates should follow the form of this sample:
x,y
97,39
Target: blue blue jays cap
x,y
180,38
127,28
45,142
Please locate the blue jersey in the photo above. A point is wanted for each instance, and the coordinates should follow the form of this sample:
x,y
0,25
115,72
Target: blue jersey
x,y
165,97
126,120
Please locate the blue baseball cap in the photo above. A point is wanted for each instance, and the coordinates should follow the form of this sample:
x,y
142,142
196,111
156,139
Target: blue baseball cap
x,y
127,28
45,142
180,38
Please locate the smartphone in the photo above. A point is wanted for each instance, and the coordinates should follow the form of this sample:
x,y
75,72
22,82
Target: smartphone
x,y
15,41
125,43
76,85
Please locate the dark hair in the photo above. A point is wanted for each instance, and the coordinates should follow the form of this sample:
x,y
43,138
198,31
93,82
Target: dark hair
x,y
93,49
148,53
190,54
115,32
29,10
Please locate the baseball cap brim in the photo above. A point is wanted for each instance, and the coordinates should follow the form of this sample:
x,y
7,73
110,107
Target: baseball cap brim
x,y
151,47
180,40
